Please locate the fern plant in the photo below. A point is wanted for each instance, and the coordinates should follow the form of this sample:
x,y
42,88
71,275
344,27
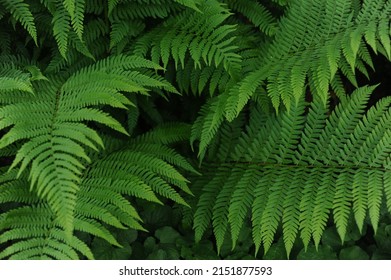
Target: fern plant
x,y
95,98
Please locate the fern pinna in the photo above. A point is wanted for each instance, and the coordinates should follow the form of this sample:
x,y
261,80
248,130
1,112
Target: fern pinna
x,y
297,169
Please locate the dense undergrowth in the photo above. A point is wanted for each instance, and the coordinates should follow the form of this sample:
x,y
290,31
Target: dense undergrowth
x,y
195,129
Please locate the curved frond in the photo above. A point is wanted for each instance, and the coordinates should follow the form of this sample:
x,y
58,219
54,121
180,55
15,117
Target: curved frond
x,y
22,13
53,127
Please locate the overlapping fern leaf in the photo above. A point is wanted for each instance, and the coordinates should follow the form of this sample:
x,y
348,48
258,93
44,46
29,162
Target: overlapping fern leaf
x,y
201,34
316,45
51,119
31,230
257,13
61,20
318,41
144,167
297,169
20,12
210,55
210,79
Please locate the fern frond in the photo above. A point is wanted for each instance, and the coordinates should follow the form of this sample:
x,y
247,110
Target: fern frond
x,y
77,17
70,6
32,231
141,170
200,35
21,12
61,28
336,42
122,30
256,13
193,4
297,169
68,25
13,79
241,201
206,125
165,134
222,204
204,209
56,138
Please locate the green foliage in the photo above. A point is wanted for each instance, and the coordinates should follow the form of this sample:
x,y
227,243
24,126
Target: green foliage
x,y
20,12
275,166
106,107
314,40
315,44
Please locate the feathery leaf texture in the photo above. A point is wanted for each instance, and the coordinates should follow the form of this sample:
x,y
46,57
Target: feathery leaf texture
x,y
77,78
145,171
316,39
299,168
52,120
21,12
256,13
202,35
316,44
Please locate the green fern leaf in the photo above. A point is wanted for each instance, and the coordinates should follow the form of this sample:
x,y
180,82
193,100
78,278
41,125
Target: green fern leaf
x,y
61,28
221,206
70,6
257,14
77,16
307,206
21,12
360,192
241,201
112,4
303,166
261,194
384,36
375,197
55,146
206,126
342,201
193,4
203,213
12,84
272,213
292,211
